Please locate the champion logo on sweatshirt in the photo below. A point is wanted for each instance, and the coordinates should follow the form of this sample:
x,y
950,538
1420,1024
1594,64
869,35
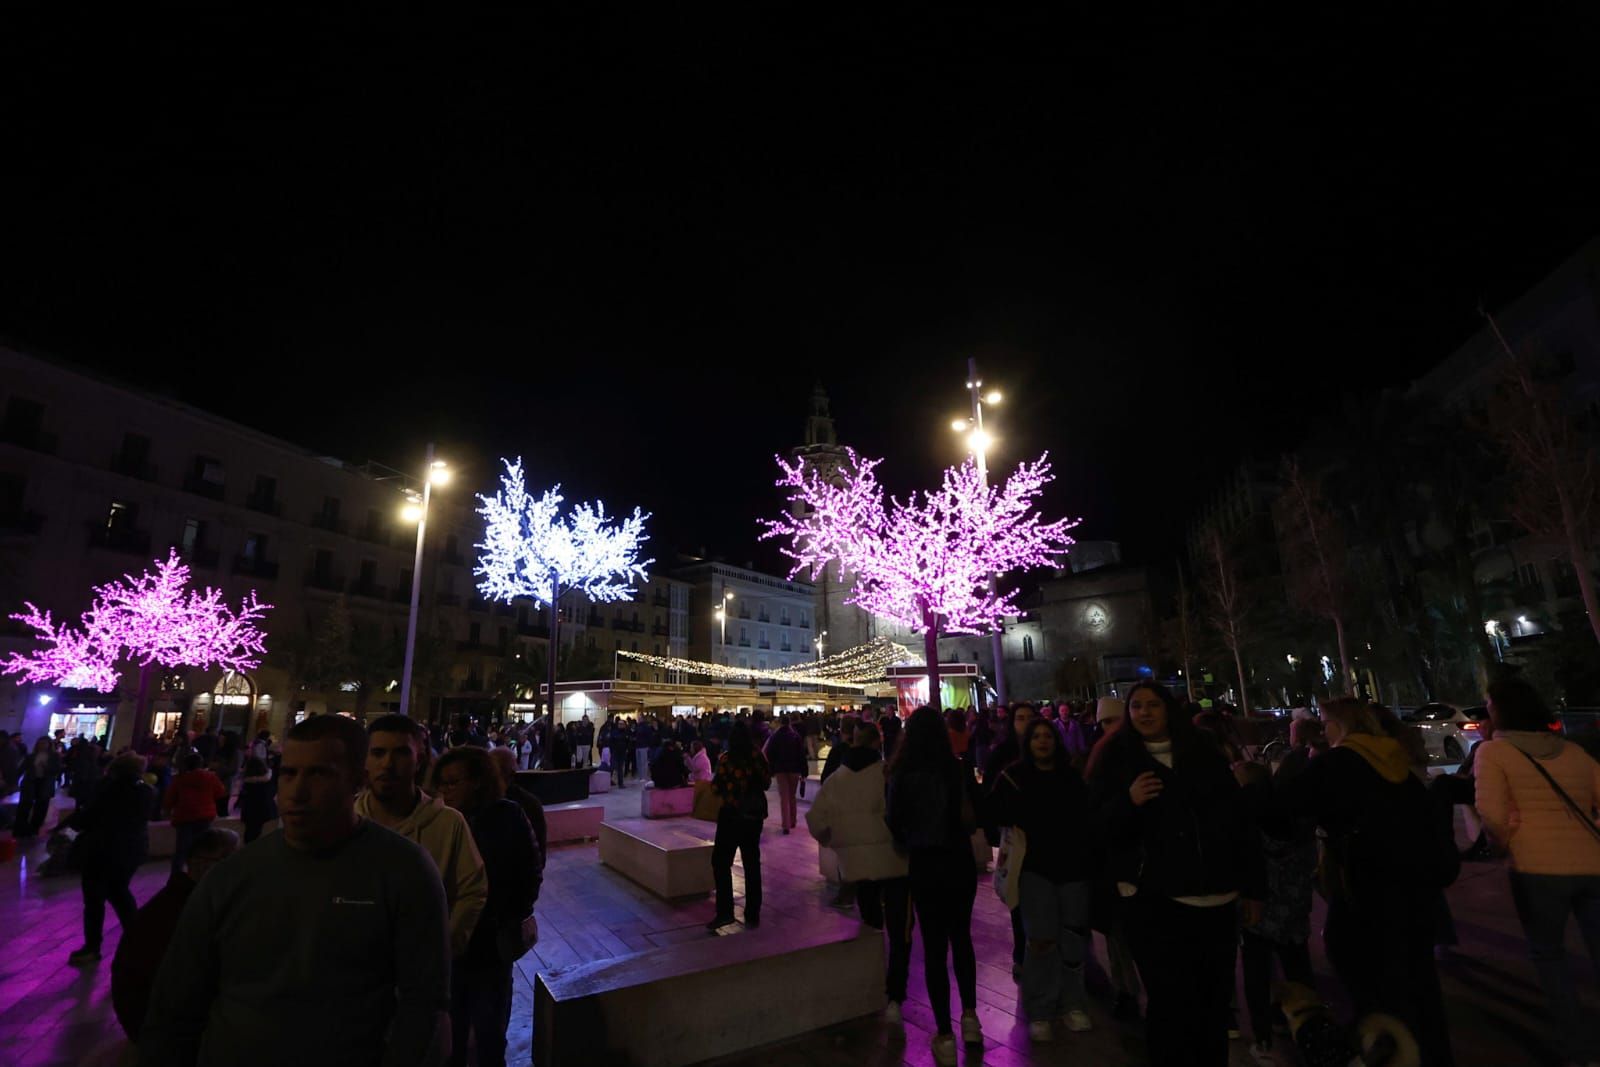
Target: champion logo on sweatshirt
x,y
348,900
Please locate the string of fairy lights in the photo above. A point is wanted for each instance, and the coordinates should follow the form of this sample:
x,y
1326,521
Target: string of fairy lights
x,y
854,668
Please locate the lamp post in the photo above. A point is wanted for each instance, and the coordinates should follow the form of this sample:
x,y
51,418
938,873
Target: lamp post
x,y
435,472
720,613
821,637
978,440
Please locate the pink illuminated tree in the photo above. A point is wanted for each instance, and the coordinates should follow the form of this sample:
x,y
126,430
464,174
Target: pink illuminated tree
x,y
925,562
154,620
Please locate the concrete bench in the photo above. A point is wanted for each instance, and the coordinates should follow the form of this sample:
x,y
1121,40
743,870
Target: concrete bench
x,y
665,803
709,997
556,787
164,837
599,782
672,860
576,821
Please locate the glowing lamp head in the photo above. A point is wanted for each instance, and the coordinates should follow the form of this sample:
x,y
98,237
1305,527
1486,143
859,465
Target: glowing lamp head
x,y
959,425
411,512
993,397
979,441
45,699
439,473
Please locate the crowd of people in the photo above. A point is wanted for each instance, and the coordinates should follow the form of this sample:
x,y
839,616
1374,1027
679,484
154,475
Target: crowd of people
x,y
404,879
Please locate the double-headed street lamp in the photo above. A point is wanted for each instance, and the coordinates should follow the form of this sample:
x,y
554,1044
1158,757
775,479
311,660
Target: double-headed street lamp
x,y
978,440
721,615
821,637
435,472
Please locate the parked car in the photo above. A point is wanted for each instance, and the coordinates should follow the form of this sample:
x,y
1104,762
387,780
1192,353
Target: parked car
x,y
1450,732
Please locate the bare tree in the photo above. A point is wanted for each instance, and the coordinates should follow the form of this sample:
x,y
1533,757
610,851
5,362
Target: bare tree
x,y
1226,604
1315,563
1557,484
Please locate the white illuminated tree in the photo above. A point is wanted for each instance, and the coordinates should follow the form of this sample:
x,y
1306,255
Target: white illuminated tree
x,y
530,549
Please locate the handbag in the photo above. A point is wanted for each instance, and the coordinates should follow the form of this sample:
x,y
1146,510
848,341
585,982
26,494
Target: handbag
x,y
514,939
1583,817
706,802
1008,866
753,805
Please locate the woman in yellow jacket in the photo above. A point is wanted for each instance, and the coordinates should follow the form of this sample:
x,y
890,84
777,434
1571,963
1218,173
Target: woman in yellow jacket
x,y
1537,793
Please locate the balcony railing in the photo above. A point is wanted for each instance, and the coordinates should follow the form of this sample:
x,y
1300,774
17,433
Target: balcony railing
x,y
370,590
117,539
661,600
744,642
764,644
660,630
324,580
378,535
265,504
805,624
254,568
127,466
324,521
628,625
200,487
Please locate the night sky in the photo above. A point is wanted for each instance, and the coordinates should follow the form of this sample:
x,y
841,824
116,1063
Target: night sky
x,y
627,248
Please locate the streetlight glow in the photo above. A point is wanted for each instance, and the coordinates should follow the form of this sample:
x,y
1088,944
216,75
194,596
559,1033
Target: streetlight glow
x,y
993,397
411,512
439,472
979,441
958,425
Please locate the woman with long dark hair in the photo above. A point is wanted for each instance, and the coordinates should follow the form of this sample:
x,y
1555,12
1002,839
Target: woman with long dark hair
x,y
1043,795
1003,755
931,815
741,782
1183,853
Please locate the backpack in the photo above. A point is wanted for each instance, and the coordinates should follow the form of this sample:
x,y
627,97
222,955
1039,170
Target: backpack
x,y
1408,842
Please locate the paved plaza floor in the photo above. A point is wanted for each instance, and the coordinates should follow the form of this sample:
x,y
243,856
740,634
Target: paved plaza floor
x,y
54,1014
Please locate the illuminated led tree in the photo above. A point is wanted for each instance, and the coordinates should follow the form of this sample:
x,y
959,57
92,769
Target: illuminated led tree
x,y
531,550
154,620
924,562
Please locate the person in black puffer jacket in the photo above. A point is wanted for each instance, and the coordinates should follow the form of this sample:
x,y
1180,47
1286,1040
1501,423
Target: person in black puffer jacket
x,y
480,994
1185,857
932,817
113,839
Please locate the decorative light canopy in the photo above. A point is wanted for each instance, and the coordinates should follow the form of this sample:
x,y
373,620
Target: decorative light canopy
x,y
152,619
854,668
531,550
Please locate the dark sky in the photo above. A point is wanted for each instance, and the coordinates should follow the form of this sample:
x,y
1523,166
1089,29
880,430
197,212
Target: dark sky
x,y
627,249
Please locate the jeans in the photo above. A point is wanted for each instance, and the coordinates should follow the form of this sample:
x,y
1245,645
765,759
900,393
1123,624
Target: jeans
x,y
1382,951
185,833
642,760
886,905
33,805
1055,917
787,784
1257,953
1119,960
100,886
944,885
480,1002
583,756
734,831
1186,959
1019,938
1543,902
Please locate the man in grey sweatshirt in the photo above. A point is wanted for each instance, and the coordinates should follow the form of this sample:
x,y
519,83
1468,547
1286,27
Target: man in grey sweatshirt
x,y
327,943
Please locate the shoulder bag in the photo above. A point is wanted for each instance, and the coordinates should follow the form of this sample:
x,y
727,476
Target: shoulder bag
x,y
1008,864
1583,817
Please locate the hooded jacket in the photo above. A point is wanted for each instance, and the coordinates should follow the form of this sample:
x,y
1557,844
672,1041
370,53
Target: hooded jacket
x,y
847,815
445,836
1522,810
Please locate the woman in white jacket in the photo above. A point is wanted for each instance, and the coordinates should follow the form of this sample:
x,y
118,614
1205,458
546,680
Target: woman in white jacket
x,y
848,817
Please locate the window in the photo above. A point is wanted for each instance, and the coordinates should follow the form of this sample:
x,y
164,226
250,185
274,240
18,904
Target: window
x,y
330,508
266,491
783,619
209,470
374,524
658,648
744,637
405,582
369,573
633,646
505,640
744,663
323,568
761,664
474,633
1027,647
1528,578
805,618
255,548
193,536
120,516
134,458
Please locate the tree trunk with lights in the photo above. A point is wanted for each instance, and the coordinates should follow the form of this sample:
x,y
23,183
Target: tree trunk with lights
x,y
141,713
550,669
930,645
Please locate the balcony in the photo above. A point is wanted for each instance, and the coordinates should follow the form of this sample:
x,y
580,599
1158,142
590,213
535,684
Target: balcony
x,y
661,599
206,558
132,468
324,521
200,487
660,630
254,568
744,642
377,535
266,505
764,617
632,626
34,440
805,624
118,539
370,590
594,619
324,580
20,523
767,645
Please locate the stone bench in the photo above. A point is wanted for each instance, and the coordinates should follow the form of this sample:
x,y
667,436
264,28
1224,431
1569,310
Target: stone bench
x,y
665,803
672,860
700,999
600,782
556,787
576,821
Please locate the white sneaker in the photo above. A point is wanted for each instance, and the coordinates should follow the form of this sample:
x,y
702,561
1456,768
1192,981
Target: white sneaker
x,y
891,1013
971,1029
1040,1031
1077,1021
944,1050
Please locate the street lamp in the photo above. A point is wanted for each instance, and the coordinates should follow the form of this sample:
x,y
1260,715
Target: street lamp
x,y
435,472
979,442
821,637
721,614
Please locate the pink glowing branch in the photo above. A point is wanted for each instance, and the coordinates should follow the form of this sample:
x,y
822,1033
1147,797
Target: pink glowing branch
x,y
924,562
65,657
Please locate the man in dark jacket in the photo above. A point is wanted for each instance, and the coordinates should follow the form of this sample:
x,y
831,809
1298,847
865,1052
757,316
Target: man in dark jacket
x,y
836,752
144,940
786,753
